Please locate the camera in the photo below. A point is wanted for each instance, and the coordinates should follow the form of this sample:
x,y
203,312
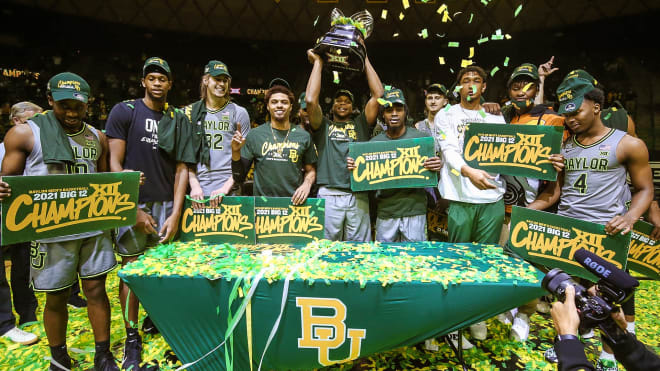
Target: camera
x,y
614,287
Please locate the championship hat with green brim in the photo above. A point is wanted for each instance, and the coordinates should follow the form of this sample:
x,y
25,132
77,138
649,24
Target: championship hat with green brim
x,y
68,85
344,92
279,81
155,64
216,68
438,88
581,74
570,94
525,69
391,97
301,101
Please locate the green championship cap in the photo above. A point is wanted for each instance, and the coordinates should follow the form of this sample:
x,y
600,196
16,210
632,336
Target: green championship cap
x,y
216,68
525,69
582,74
346,93
570,94
392,96
438,88
154,64
301,101
279,81
68,85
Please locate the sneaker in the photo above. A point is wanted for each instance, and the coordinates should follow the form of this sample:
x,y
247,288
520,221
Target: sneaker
x,y
550,355
431,344
606,365
105,362
543,307
520,328
479,330
148,326
507,317
60,364
132,354
22,337
77,302
465,344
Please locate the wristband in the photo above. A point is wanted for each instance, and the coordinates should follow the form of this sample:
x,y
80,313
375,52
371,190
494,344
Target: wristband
x,y
565,337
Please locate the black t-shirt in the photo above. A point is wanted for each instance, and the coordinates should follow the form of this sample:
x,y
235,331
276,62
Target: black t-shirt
x,y
138,126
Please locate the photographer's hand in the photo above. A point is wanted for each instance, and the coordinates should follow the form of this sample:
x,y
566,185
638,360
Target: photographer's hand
x,y
565,315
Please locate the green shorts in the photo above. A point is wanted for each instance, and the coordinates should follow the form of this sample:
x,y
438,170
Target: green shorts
x,y
55,266
481,223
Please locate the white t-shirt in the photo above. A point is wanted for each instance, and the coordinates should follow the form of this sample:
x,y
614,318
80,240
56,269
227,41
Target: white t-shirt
x,y
452,124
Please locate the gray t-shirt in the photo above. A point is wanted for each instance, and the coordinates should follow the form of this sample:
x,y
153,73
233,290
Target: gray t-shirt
x,y
219,127
594,180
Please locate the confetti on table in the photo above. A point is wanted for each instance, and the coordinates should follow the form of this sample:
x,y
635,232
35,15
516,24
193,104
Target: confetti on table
x,y
406,4
518,9
506,62
424,34
494,70
335,76
453,44
466,62
401,16
441,60
383,14
471,52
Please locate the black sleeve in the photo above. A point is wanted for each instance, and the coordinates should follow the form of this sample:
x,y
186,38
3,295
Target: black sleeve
x,y
239,169
119,120
571,356
634,355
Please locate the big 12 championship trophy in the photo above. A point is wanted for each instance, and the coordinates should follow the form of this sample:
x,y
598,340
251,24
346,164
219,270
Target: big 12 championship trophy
x,y
342,48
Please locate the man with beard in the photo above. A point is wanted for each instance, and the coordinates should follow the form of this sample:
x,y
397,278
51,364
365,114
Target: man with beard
x,y
60,142
280,151
217,117
401,214
149,136
346,212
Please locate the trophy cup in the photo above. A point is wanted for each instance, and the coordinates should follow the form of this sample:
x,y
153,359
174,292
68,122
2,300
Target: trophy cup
x,y
342,47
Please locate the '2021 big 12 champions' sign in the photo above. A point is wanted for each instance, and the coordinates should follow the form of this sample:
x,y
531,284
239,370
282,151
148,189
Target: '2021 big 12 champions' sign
x,y
58,205
232,221
644,253
279,221
513,149
392,164
552,240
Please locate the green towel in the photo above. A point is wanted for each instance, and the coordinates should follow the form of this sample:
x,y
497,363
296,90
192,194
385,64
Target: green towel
x,y
55,146
196,113
175,136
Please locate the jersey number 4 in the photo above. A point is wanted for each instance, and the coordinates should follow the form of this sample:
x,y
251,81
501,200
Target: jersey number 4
x,y
214,141
581,183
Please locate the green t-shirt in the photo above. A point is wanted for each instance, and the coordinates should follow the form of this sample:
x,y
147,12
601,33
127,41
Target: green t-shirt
x,y
400,202
278,159
332,140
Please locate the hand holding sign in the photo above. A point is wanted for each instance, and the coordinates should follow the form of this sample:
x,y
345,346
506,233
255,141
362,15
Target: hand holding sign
x,y
300,195
350,163
145,223
479,178
5,190
620,223
557,161
196,193
433,163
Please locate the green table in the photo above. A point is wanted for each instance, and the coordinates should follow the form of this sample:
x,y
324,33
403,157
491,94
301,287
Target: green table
x,y
343,300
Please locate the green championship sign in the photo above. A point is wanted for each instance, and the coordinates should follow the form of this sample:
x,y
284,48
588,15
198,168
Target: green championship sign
x,y
552,240
644,253
232,221
58,205
392,164
279,221
513,149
